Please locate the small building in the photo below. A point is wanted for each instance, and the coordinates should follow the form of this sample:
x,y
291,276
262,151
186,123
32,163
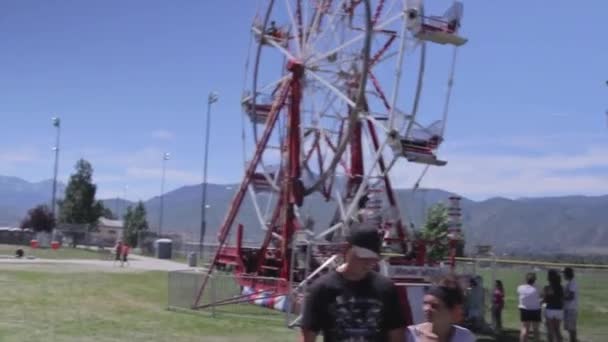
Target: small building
x,y
108,232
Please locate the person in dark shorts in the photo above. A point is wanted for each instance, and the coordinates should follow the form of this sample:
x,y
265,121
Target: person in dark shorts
x,y
553,296
570,303
529,308
353,302
498,304
124,254
118,251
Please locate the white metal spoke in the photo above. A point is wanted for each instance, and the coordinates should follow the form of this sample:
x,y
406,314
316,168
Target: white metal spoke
x,y
329,231
331,23
446,104
341,206
314,28
354,40
377,123
332,88
360,190
268,86
256,207
295,26
418,90
305,22
394,95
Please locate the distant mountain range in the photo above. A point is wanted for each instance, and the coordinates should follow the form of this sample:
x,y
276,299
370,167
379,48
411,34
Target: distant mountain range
x,y
571,224
17,196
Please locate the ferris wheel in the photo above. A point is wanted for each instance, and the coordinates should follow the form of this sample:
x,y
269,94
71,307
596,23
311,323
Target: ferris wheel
x,y
327,116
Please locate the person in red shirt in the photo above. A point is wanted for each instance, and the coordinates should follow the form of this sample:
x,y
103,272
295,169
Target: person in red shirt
x,y
117,251
498,303
124,254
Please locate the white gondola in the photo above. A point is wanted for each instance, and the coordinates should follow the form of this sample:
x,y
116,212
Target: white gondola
x,y
436,29
419,146
259,112
428,158
260,183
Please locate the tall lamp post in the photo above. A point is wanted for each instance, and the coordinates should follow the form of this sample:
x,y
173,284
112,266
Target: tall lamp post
x,y
57,124
166,156
212,98
121,206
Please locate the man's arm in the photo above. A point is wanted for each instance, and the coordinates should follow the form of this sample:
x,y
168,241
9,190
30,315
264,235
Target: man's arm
x,y
395,335
312,314
394,316
307,335
570,292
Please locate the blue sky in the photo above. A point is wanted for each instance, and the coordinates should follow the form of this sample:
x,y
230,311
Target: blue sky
x,y
130,79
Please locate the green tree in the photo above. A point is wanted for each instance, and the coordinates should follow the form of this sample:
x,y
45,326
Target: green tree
x,y
40,219
436,229
107,213
79,206
135,223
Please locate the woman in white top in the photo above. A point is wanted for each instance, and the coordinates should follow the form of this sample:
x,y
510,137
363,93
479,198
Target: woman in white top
x,y
442,306
529,308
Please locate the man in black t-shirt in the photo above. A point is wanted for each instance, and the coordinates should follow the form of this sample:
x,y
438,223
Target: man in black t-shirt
x,y
354,303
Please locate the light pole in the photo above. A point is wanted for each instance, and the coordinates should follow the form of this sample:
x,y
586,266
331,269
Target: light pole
x,y
166,156
57,124
119,211
212,98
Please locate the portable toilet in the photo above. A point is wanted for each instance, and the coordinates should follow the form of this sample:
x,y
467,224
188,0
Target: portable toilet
x,y
163,248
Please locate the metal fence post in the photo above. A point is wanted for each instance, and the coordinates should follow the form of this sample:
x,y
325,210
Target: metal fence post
x,y
213,294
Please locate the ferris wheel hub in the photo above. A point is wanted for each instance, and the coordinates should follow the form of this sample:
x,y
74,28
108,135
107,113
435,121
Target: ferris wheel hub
x,y
295,66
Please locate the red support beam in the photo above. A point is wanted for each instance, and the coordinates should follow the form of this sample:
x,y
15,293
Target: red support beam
x,y
356,160
240,194
239,247
378,12
294,192
261,259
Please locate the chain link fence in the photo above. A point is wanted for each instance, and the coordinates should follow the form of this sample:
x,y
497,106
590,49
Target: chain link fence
x,y
224,295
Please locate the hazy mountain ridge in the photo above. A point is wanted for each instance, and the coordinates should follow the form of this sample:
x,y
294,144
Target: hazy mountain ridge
x,y
551,224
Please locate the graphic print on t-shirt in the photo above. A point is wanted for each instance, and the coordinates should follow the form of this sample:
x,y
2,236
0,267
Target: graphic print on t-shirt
x,y
358,319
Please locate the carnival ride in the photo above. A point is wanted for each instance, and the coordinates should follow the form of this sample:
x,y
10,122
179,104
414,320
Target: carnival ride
x,y
323,97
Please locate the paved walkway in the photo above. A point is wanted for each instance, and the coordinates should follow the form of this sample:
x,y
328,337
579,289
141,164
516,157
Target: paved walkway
x,y
136,263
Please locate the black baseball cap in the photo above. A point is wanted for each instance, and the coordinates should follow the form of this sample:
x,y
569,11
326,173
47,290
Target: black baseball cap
x,y
365,241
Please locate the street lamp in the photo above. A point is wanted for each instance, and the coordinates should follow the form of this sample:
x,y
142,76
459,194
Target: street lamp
x,y
119,211
57,124
166,156
212,98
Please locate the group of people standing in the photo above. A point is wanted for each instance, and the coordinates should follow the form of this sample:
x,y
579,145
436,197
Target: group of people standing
x,y
560,303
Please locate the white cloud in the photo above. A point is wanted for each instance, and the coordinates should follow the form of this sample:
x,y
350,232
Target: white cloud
x,y
509,175
172,175
163,134
20,155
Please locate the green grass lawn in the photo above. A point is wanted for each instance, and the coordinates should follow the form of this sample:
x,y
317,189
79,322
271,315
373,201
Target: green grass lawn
x,y
39,306
47,253
51,306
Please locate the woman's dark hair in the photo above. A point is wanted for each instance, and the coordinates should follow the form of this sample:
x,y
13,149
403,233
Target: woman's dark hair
x,y
568,273
530,278
555,281
499,286
554,278
448,291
